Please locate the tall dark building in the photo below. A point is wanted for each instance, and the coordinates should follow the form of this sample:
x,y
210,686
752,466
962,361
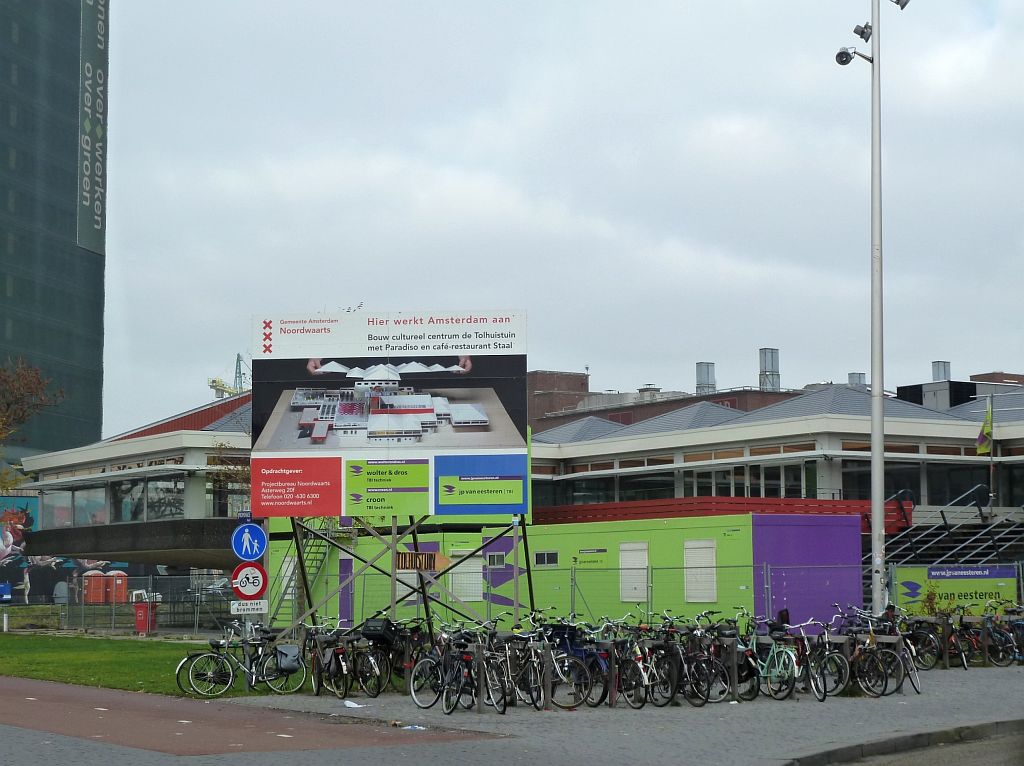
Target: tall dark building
x,y
53,156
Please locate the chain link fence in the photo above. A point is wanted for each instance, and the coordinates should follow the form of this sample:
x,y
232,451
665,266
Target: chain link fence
x,y
202,604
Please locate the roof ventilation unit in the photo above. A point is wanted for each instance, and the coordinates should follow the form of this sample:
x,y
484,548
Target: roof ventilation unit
x,y
705,378
940,371
857,379
769,378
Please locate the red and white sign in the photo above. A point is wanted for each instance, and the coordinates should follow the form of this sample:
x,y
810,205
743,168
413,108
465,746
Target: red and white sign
x,y
299,486
249,580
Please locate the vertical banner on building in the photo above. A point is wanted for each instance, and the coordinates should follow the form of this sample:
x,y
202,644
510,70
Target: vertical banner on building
x,y
390,414
92,126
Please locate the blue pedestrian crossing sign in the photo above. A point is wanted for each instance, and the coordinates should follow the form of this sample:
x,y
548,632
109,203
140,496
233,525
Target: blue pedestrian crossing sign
x,y
249,542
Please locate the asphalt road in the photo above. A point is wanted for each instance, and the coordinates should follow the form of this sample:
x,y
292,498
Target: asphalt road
x,y
90,726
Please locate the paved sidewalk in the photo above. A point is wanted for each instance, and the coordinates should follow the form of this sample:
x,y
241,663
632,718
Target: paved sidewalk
x,y
764,731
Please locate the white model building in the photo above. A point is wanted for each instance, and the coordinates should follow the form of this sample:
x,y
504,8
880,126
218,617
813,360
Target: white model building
x,y
379,406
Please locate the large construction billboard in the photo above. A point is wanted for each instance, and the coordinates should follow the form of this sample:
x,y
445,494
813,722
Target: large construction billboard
x,y
390,414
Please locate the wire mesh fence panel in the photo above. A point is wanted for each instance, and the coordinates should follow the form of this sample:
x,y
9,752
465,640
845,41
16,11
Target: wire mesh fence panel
x,y
687,591
609,592
809,592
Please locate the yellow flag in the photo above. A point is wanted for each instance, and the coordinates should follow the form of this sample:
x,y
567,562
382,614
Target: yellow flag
x,y
985,435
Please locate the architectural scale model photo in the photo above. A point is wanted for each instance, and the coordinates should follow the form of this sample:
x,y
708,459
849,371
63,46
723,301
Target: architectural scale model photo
x,y
379,409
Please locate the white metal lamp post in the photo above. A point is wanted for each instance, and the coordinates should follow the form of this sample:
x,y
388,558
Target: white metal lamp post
x,y
879,591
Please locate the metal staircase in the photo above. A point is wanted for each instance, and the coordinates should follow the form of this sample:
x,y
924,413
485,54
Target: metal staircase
x,y
961,534
288,601
966,531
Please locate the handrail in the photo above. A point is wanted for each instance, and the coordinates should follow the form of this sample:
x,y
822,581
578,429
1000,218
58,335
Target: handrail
x,y
942,511
898,497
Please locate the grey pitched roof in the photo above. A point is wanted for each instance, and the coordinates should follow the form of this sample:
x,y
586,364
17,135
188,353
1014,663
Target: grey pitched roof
x,y
590,427
699,415
237,421
1006,408
840,400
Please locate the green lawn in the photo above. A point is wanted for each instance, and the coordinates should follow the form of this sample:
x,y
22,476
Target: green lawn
x,y
144,665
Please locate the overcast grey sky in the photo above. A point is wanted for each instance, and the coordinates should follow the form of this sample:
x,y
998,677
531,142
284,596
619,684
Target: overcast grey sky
x,y
655,183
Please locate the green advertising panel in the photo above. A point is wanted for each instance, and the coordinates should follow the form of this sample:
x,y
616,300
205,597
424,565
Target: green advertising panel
x,y
388,487
928,590
480,490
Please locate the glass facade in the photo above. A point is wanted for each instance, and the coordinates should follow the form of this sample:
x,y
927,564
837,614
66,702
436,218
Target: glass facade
x,y
51,290
117,503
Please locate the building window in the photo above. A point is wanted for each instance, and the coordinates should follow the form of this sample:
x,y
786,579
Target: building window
x,y
495,560
772,481
467,579
545,558
723,483
633,572
705,486
586,491
647,486
793,476
699,571
165,498
90,506
56,510
128,500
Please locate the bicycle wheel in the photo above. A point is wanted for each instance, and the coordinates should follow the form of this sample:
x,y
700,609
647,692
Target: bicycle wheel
x,y
531,681
957,654
316,673
694,683
835,669
871,676
748,678
452,688
283,681
779,678
467,697
396,666
338,677
894,669
927,649
631,684
598,682
719,684
181,672
369,672
426,684
1000,648
815,674
911,670
570,682
975,656
495,686
210,674
664,677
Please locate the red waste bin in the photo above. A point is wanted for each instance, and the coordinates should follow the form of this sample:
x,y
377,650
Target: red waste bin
x,y
145,617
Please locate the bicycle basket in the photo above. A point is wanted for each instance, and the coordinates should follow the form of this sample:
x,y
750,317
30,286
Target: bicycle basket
x,y
380,629
288,660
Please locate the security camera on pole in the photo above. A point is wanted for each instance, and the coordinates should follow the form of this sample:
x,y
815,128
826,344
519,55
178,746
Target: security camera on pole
x,y
869,31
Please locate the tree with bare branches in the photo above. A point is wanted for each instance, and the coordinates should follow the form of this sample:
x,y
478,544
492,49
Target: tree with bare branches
x,y
24,392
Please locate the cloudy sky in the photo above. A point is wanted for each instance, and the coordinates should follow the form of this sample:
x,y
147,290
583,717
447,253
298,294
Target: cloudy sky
x,y
655,184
